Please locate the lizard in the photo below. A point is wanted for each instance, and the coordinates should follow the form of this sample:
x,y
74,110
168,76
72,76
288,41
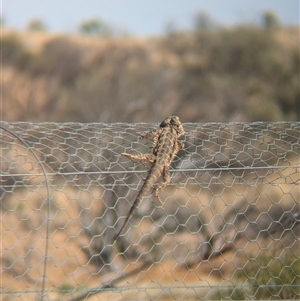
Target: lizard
x,y
165,147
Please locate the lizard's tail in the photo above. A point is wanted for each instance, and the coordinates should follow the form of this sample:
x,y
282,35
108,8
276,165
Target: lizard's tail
x,y
130,213
118,234
151,178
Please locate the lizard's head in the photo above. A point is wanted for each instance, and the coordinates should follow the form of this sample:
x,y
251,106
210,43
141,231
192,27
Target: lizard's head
x,y
174,122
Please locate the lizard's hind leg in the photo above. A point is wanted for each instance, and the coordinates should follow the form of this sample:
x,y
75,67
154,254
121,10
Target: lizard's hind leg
x,y
166,180
149,158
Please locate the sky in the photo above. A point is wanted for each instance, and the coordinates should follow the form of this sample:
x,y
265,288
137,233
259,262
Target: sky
x,y
142,17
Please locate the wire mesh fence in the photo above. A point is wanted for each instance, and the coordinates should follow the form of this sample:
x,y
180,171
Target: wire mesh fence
x,y
228,229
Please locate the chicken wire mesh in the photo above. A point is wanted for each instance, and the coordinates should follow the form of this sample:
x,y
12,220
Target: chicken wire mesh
x,y
228,228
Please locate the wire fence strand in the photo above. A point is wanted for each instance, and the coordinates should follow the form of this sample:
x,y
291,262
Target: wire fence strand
x,y
229,227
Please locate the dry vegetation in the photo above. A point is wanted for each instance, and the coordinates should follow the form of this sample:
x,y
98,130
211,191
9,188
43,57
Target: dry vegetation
x,y
245,73
217,228
225,229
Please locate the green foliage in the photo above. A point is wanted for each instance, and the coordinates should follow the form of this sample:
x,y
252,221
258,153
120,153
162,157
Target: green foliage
x,y
11,49
275,277
95,26
64,60
265,277
203,21
246,54
14,53
65,288
270,20
36,25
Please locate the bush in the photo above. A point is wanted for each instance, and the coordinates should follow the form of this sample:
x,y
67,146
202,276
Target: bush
x,y
265,278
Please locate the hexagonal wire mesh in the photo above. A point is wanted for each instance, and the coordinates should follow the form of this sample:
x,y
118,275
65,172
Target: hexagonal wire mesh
x,y
228,228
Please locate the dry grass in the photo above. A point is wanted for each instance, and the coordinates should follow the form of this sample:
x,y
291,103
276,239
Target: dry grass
x,y
23,244
243,74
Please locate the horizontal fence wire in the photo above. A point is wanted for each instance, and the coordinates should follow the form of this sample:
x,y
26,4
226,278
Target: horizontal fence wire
x,y
228,228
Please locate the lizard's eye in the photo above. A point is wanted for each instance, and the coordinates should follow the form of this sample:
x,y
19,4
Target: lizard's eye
x,y
174,120
166,122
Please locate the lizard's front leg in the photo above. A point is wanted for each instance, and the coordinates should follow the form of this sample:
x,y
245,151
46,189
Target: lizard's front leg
x,y
180,145
150,135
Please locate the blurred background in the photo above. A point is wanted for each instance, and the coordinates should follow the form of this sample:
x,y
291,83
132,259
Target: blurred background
x,y
133,61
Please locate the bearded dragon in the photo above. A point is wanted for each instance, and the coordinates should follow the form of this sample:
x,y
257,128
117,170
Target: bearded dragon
x,y
165,147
